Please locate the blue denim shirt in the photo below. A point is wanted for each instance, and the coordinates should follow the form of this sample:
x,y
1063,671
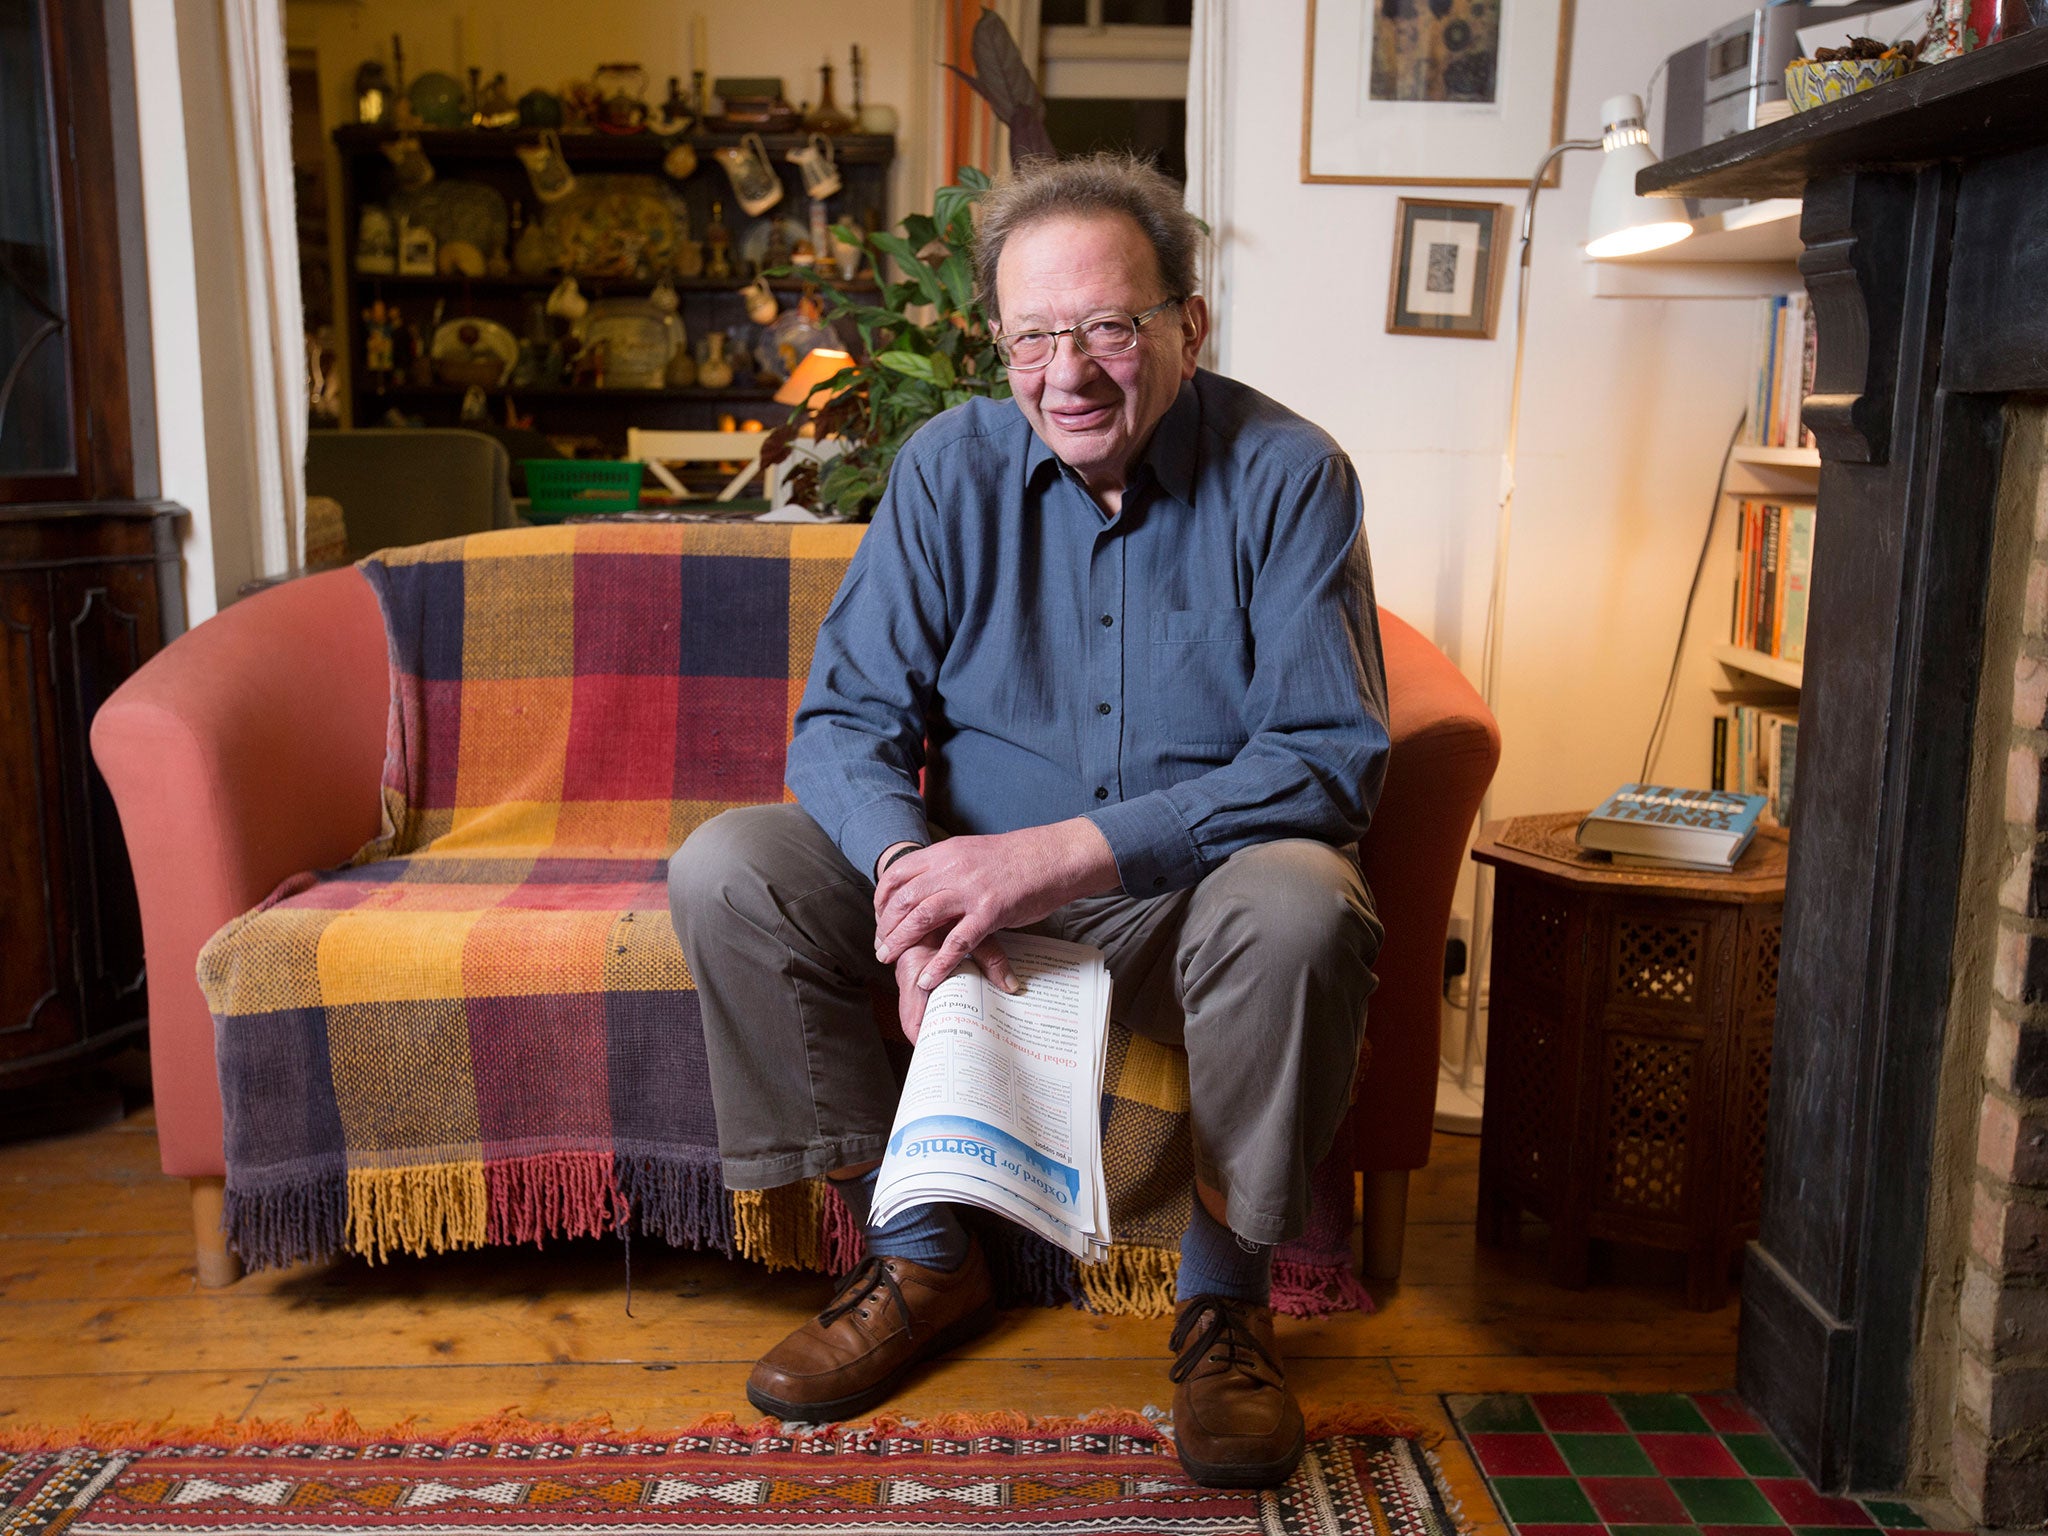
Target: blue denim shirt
x,y
1195,675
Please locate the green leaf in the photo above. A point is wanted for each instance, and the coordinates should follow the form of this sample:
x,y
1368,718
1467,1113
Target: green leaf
x,y
914,365
975,177
921,230
957,275
913,267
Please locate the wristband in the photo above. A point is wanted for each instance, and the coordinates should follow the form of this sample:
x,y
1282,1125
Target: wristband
x,y
899,853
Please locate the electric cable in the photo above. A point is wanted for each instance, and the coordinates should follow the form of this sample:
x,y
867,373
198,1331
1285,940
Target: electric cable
x,y
1663,719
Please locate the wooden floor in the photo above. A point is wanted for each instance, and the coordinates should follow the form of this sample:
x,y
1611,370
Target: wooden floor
x,y
100,1315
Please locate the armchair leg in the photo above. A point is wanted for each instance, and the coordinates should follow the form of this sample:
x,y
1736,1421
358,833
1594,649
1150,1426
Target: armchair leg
x,y
217,1266
1385,1228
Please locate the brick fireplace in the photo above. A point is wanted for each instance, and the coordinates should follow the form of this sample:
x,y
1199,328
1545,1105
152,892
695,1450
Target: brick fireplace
x,y
1981,1431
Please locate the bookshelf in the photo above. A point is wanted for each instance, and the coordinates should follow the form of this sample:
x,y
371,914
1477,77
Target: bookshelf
x,y
1776,669
1751,251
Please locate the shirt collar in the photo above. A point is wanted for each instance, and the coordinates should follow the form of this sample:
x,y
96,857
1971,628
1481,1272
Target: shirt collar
x,y
1170,455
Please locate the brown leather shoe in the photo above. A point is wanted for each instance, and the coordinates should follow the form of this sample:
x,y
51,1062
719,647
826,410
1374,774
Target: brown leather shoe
x,y
1235,1424
889,1314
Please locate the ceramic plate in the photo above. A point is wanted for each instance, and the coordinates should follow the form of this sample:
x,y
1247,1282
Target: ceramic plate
x,y
612,226
457,210
752,246
638,341
471,338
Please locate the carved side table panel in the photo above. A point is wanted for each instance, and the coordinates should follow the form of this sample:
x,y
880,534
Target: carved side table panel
x,y
1628,1049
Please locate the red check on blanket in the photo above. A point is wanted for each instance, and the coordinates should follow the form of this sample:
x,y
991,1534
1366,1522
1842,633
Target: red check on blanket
x,y
483,1030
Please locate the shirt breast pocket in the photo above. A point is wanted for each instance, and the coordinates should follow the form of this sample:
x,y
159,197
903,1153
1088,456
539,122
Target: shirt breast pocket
x,y
1201,671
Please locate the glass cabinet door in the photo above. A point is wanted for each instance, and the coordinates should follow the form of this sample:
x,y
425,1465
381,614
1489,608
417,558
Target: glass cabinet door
x,y
35,363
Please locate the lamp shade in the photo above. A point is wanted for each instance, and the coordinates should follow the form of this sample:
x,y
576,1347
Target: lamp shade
x,y
818,365
1621,223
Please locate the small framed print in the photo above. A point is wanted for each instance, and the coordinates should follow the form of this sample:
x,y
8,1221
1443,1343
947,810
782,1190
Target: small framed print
x,y
1449,260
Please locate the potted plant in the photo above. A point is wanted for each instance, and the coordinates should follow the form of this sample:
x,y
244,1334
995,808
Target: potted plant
x,y
925,347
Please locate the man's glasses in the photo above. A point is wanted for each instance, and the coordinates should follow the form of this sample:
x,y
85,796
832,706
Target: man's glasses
x,y
1099,336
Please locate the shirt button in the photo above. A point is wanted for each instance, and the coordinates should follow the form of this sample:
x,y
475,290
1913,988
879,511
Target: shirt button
x,y
1101,793
1107,621
1102,708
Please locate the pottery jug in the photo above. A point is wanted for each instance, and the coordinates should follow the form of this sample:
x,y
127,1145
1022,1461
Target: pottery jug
x,y
715,370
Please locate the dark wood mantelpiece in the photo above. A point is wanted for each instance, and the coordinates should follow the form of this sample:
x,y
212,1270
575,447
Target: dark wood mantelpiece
x,y
1983,103
1926,232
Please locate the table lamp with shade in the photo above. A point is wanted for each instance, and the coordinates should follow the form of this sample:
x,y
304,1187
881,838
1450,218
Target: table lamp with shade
x,y
1619,223
816,367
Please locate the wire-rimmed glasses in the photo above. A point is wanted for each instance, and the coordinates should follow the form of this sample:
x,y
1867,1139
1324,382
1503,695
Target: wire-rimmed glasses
x,y
1105,335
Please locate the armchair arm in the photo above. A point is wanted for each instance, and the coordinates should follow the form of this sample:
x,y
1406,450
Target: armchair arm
x,y
247,750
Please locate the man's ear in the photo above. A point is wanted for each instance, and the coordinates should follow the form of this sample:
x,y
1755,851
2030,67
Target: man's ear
x,y
1194,330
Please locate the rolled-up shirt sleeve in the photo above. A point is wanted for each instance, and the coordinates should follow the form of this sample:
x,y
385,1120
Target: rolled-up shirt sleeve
x,y
1316,710
858,745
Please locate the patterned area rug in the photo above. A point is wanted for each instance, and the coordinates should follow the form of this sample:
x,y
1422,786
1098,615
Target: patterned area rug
x,y
1110,1473
1656,1464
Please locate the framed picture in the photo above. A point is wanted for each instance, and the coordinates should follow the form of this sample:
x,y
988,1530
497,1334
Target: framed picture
x,y
1449,260
1441,93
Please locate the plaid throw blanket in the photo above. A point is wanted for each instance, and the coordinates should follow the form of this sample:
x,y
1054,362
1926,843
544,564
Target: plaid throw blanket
x,y
483,1030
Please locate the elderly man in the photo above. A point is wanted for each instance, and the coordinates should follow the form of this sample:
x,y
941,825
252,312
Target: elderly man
x,y
1124,626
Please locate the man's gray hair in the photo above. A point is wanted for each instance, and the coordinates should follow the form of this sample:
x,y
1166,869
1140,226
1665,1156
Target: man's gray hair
x,y
1104,183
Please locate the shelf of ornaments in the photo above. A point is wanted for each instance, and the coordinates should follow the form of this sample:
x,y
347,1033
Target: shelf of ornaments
x,y
593,393
599,287
591,146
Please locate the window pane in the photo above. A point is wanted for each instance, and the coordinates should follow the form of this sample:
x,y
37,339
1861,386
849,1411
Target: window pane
x,y
1063,13
1148,13
1157,130
35,429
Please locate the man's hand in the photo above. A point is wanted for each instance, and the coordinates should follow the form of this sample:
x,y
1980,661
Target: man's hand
x,y
960,891
912,995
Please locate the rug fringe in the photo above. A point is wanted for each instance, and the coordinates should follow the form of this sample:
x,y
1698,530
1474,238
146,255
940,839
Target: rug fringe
x,y
1317,1290
419,1210
510,1427
289,1222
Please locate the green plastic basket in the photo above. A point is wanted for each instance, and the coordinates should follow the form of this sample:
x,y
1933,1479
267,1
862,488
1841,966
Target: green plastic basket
x,y
559,488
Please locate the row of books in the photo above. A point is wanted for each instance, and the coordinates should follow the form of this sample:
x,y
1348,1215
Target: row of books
x,y
1755,748
1773,574
1784,354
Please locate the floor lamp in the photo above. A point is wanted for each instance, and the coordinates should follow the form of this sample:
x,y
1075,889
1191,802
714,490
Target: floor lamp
x,y
1620,224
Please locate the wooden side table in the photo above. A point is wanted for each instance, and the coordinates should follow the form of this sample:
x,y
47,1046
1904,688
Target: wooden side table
x,y
1628,1049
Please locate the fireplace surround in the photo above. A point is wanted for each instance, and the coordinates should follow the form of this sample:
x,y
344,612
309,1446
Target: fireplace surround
x,y
1895,1306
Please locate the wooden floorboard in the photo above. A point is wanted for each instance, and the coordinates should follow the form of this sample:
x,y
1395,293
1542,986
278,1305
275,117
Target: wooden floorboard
x,y
100,1316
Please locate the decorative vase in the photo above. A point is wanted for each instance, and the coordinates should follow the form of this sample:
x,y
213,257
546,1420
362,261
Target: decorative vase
x,y
714,370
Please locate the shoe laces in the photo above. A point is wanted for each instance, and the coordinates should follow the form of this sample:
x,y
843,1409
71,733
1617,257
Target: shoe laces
x,y
872,1275
1217,1327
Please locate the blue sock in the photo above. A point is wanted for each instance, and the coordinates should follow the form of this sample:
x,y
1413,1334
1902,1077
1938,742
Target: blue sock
x,y
1215,1261
930,1235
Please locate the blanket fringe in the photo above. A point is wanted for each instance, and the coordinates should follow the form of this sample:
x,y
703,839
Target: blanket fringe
x,y
419,1210
679,1201
1027,1270
781,1228
1132,1281
840,1238
289,1222
1317,1290
552,1194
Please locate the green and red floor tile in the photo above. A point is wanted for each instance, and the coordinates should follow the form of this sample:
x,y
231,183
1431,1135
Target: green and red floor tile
x,y
1665,1464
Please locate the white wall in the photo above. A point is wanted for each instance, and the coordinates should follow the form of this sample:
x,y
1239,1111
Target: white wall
x,y
1628,404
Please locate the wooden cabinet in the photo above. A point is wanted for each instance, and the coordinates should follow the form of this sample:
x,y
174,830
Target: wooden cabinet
x,y
87,594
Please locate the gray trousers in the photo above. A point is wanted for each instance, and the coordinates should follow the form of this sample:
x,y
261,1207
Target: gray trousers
x,y
1260,973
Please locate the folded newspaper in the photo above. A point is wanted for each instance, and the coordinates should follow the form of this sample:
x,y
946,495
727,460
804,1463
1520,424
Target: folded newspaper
x,y
1002,1107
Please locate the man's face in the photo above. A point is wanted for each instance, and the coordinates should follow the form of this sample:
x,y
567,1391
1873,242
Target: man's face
x,y
1096,413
